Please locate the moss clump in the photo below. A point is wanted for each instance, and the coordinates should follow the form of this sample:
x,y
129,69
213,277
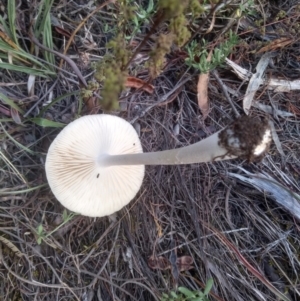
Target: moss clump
x,y
280,15
113,86
119,49
109,71
126,9
101,67
173,8
178,26
88,91
157,55
174,11
195,8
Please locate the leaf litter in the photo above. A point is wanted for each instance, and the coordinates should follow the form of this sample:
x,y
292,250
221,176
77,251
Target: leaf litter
x,y
100,259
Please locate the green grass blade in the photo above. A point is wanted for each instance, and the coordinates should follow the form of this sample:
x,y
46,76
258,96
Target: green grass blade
x,y
11,11
6,120
47,123
27,70
208,287
43,25
5,192
10,102
5,27
16,171
44,12
48,41
22,54
53,102
16,142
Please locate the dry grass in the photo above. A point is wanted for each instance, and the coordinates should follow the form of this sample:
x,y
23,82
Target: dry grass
x,y
232,231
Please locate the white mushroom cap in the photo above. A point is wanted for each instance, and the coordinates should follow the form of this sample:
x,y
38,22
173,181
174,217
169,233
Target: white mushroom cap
x,y
75,175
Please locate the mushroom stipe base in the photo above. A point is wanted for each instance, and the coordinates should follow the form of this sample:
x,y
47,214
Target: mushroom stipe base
x,y
252,135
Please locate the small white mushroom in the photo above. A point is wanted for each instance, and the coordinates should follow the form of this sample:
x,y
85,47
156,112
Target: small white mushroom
x,y
74,174
95,166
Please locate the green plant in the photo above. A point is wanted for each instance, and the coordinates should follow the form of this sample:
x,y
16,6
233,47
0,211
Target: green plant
x,y
41,233
178,26
185,294
198,56
157,55
195,8
12,56
175,12
173,8
141,16
247,8
109,71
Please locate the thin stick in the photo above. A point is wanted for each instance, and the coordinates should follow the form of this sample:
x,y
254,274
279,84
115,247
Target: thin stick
x,y
223,87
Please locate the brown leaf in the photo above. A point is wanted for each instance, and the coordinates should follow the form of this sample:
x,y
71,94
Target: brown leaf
x,y
202,87
5,111
159,263
185,263
202,94
8,40
11,43
158,227
278,43
256,81
295,110
62,31
91,103
15,116
134,43
133,82
67,35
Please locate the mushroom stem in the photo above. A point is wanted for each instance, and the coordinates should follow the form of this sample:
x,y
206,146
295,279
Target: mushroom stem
x,y
245,138
205,150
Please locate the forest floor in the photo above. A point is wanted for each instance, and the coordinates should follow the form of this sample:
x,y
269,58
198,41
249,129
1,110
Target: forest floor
x,y
235,222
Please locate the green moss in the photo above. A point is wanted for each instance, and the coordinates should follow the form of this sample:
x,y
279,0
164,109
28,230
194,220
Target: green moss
x,y
113,86
178,26
174,11
195,8
109,73
280,15
88,91
36,274
126,9
173,8
119,49
157,55
101,67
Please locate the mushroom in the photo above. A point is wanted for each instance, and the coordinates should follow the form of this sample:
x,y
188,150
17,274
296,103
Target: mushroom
x,y
95,166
